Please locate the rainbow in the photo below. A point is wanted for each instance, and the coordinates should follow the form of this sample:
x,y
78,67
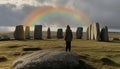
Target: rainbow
x,y
39,14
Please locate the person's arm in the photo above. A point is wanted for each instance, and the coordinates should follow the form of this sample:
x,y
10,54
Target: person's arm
x,y
65,36
71,34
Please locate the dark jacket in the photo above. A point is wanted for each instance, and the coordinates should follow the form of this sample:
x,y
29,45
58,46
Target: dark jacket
x,y
68,35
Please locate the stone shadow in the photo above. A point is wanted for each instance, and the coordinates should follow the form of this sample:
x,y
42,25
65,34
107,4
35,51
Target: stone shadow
x,y
107,61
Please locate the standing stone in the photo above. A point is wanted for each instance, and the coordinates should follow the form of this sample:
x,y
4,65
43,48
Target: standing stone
x,y
93,32
19,33
89,32
79,33
104,34
38,32
96,33
27,32
59,33
48,33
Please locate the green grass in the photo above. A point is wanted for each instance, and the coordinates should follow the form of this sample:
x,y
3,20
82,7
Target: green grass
x,y
13,49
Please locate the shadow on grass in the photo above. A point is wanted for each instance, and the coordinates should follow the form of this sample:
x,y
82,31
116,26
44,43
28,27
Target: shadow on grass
x,y
3,58
83,65
107,61
13,46
91,63
114,42
50,39
31,48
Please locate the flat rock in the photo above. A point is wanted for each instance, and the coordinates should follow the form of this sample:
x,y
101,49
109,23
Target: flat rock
x,y
4,38
116,39
46,59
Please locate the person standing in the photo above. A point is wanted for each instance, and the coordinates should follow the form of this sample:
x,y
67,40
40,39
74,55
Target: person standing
x,y
68,38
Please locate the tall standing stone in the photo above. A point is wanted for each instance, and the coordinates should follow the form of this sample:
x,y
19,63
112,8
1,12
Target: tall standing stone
x,y
93,32
48,33
19,33
104,34
79,33
59,33
38,32
96,33
27,32
89,32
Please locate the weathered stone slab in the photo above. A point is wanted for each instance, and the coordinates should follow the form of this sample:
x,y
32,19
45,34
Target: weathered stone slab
x,y
59,33
93,32
49,33
89,32
104,34
19,33
79,33
96,29
38,32
27,32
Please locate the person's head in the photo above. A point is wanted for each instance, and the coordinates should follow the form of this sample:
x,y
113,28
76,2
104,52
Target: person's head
x,y
68,27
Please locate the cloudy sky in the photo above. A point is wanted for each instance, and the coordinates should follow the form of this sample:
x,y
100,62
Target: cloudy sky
x,y
106,12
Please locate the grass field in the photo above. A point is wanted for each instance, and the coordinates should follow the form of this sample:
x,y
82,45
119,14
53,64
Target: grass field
x,y
13,49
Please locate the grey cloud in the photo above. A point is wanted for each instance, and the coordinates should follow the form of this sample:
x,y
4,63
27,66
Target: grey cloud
x,y
10,16
60,21
106,12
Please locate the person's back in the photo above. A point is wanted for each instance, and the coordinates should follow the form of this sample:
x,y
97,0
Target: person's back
x,y
68,38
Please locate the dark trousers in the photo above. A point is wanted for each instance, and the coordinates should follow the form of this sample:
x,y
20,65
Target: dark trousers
x,y
68,46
